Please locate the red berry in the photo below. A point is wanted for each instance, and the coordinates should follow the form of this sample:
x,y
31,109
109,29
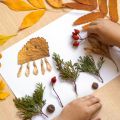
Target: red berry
x,y
76,31
75,37
53,80
73,33
76,44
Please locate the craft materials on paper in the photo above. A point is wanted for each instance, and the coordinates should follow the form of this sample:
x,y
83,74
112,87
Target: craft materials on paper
x,y
36,48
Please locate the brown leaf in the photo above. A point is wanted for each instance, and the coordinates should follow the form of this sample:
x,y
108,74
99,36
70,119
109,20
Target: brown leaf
x,y
37,3
103,7
85,27
88,18
88,2
32,18
18,5
55,3
79,6
113,10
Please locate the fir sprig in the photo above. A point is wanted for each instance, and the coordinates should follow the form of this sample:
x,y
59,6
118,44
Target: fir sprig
x,y
87,64
30,106
67,70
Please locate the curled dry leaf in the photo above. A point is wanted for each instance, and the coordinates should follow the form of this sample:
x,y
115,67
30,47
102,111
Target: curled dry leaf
x,y
35,69
42,67
19,72
88,2
37,3
103,7
18,5
79,6
97,47
32,18
27,72
113,10
55,3
88,18
5,38
48,66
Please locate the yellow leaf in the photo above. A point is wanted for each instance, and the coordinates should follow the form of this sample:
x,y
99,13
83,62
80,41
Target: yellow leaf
x,y
5,38
55,3
32,18
37,3
4,95
2,85
18,5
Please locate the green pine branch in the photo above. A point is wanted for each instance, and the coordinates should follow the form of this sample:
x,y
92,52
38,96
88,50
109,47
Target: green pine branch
x,y
67,70
30,106
87,64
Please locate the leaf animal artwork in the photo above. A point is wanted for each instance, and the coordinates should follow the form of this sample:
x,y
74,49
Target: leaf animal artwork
x,y
36,48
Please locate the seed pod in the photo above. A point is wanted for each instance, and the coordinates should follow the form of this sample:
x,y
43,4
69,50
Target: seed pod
x,y
35,70
95,86
50,108
19,72
48,66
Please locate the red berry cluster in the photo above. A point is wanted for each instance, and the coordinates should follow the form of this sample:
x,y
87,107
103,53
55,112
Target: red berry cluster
x,y
76,37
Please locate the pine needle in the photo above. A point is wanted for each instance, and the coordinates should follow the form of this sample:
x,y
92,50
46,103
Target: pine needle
x,y
87,64
30,106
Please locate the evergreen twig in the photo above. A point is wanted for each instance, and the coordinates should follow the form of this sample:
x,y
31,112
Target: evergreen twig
x,y
87,64
67,70
30,106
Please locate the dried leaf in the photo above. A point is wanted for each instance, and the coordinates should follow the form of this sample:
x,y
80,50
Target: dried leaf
x,y
37,3
79,6
85,27
113,10
5,38
88,18
55,3
4,95
2,85
97,47
103,7
88,2
32,18
18,5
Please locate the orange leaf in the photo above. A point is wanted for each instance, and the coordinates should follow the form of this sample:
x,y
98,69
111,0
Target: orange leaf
x,y
103,6
88,2
85,27
32,18
18,5
4,95
2,85
88,18
79,6
55,3
37,3
113,11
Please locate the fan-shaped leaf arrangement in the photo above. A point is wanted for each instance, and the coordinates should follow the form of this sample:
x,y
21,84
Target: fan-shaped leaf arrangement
x,y
36,48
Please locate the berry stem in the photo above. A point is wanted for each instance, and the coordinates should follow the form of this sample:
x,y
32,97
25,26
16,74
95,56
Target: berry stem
x,y
57,96
75,88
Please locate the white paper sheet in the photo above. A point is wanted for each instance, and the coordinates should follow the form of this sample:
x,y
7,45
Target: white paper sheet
x,y
58,35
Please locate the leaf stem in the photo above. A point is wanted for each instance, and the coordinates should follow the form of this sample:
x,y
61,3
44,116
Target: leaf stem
x,y
75,88
57,96
100,78
44,114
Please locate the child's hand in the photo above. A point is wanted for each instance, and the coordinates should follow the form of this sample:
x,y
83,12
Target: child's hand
x,y
81,109
106,31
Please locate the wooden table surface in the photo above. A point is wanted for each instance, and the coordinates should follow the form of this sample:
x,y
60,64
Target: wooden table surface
x,y
9,23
